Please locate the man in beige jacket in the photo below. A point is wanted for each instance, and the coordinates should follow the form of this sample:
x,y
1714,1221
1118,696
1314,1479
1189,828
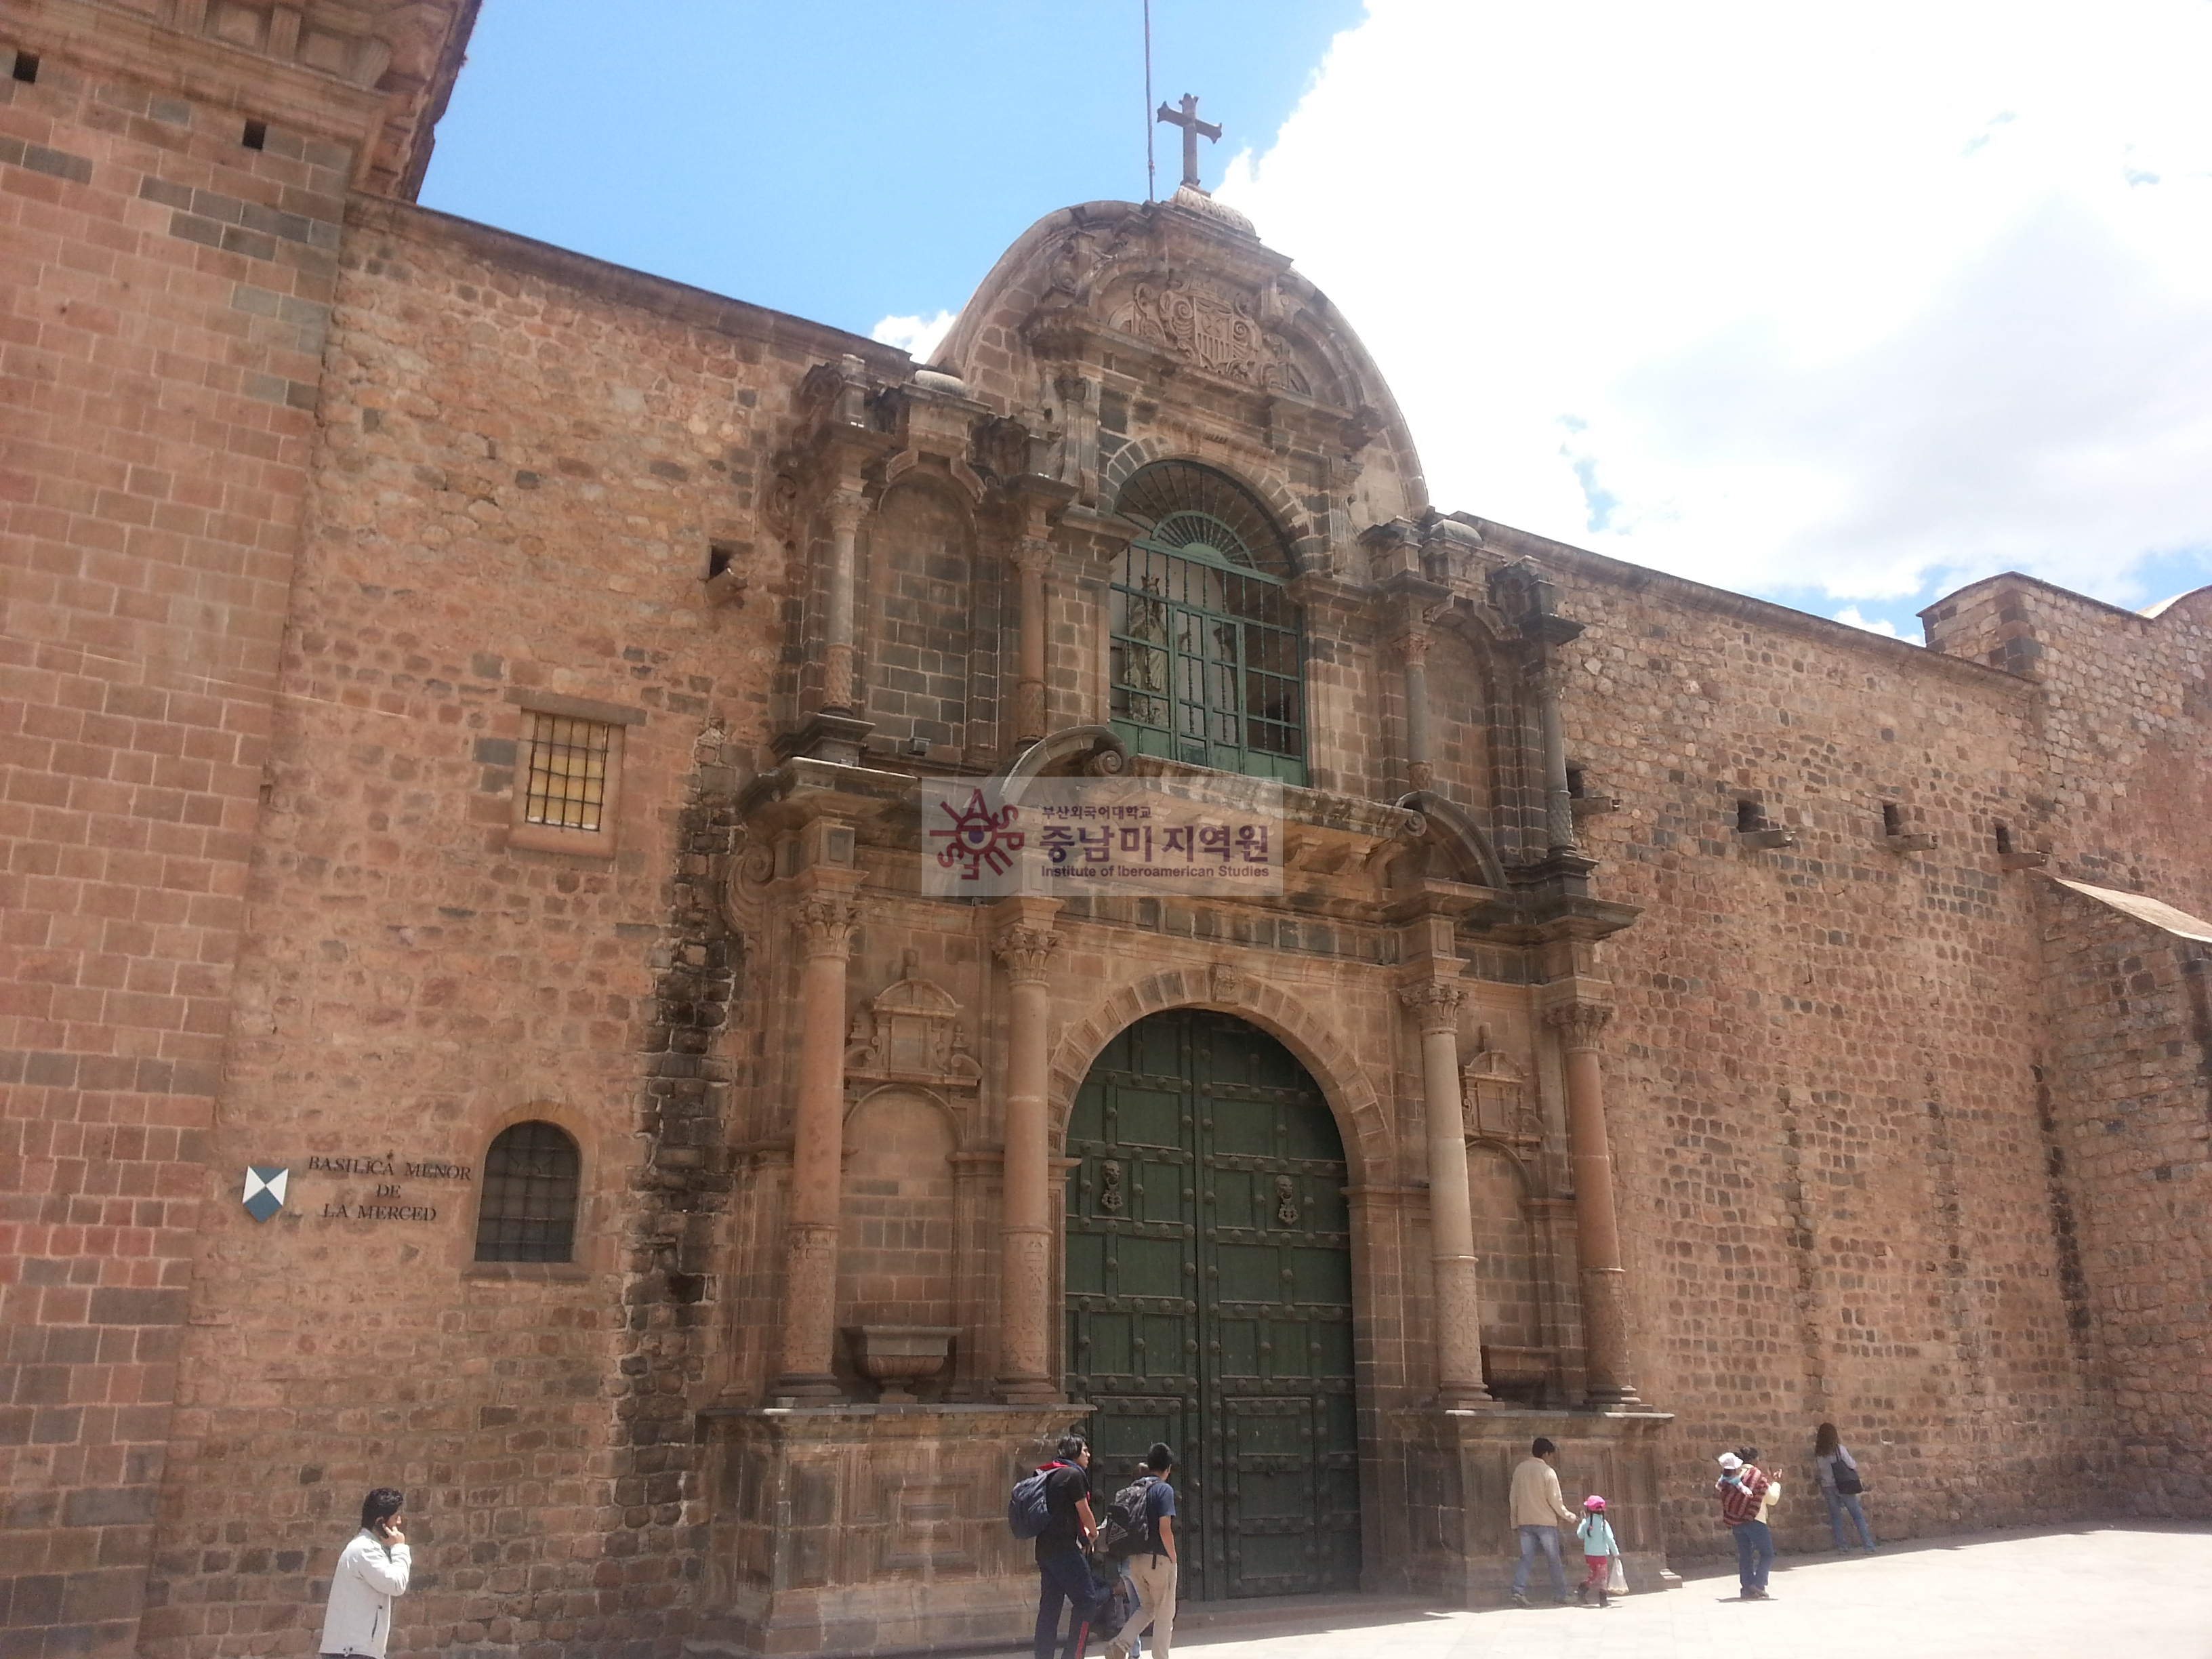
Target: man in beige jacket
x,y
1538,1510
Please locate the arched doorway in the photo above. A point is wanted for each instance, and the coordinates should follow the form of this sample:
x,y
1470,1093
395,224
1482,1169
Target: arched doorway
x,y
1209,1298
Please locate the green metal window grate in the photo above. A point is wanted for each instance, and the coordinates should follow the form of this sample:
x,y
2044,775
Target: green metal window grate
x,y
1208,655
528,1212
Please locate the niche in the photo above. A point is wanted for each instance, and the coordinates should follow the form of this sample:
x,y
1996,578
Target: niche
x,y
895,1255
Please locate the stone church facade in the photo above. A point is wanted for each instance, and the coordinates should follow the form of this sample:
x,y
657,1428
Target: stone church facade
x,y
465,712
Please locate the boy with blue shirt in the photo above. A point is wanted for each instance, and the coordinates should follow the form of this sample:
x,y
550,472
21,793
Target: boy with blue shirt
x,y
1152,1565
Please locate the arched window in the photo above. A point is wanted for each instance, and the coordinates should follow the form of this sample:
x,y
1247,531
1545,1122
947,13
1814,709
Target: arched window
x,y
528,1209
1208,658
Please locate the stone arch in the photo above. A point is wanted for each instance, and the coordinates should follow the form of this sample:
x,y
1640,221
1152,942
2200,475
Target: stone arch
x,y
1451,832
862,1097
1344,1082
1308,543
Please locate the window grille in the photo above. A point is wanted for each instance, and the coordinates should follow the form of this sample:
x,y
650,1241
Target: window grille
x,y
1208,652
528,1207
566,786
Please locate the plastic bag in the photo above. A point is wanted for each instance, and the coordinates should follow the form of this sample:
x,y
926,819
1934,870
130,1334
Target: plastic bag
x,y
1616,1579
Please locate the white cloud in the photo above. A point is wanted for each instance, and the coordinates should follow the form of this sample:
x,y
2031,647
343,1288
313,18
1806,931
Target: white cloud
x,y
1861,300
916,335
1850,614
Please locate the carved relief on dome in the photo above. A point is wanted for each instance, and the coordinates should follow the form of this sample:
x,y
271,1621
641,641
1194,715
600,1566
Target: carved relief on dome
x,y
1217,328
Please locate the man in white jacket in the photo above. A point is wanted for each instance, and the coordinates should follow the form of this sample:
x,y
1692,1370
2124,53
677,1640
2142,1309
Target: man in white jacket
x,y
370,1572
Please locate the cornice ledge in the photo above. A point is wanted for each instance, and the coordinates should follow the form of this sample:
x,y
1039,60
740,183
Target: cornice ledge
x,y
637,290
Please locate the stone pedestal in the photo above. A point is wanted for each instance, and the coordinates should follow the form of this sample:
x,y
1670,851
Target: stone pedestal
x,y
857,1529
1449,1533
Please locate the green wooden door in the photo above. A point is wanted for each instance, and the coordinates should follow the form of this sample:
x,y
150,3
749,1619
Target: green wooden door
x,y
1209,1299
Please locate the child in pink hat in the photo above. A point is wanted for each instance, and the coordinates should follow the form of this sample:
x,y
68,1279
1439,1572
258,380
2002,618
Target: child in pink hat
x,y
1599,1549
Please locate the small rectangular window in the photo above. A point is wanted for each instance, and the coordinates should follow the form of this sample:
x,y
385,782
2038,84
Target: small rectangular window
x,y
567,781
1892,824
26,67
256,136
565,787
1747,817
2005,839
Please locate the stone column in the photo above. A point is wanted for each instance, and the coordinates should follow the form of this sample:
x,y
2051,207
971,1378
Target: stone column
x,y
1598,1225
840,684
824,923
1434,1005
1026,944
1420,744
1558,806
1031,558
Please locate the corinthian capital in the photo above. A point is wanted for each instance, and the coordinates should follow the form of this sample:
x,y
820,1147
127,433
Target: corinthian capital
x,y
1435,1003
825,925
846,509
1032,556
1547,675
1579,1023
1026,949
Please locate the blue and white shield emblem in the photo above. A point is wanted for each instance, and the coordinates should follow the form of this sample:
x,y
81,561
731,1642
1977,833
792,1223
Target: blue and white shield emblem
x,y
264,1191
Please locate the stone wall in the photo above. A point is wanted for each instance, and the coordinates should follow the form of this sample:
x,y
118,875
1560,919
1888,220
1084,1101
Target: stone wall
x,y
2125,1071
501,514
1822,1079
164,291
357,490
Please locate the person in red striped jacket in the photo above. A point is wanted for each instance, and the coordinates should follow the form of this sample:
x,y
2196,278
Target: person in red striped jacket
x,y
1740,1488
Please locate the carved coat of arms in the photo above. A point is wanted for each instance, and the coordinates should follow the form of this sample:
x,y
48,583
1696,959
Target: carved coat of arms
x,y
1218,333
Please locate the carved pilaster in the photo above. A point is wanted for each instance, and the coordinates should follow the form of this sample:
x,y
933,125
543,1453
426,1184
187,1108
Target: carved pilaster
x,y
1027,944
1027,950
1578,1023
840,686
1548,678
824,925
823,921
1031,558
1597,1225
1412,646
1434,1005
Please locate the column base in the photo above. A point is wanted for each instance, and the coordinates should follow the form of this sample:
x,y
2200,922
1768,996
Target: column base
x,y
816,1388
1615,1396
1452,1536
1028,1391
853,1530
1466,1400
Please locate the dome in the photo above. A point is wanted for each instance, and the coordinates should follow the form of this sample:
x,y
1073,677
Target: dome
x,y
1194,200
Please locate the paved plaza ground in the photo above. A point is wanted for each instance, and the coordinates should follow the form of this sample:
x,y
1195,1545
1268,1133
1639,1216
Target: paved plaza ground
x,y
2099,1590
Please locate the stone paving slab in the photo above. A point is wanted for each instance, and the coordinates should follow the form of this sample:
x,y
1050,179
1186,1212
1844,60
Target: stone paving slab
x,y
2101,1590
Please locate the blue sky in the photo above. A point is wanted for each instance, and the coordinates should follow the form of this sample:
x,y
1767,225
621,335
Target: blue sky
x,y
844,159
1842,305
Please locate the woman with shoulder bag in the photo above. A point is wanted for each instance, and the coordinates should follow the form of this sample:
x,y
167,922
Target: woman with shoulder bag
x,y
1840,1485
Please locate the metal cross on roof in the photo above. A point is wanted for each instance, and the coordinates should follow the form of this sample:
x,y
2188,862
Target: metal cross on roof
x,y
1193,130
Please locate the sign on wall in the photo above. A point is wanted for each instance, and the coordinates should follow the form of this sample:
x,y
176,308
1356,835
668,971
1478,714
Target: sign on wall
x,y
264,1190
1215,836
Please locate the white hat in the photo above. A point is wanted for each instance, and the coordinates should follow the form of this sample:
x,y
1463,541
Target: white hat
x,y
1730,1460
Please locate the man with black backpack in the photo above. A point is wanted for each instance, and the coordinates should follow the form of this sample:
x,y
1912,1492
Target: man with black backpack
x,y
1054,1507
1140,1530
